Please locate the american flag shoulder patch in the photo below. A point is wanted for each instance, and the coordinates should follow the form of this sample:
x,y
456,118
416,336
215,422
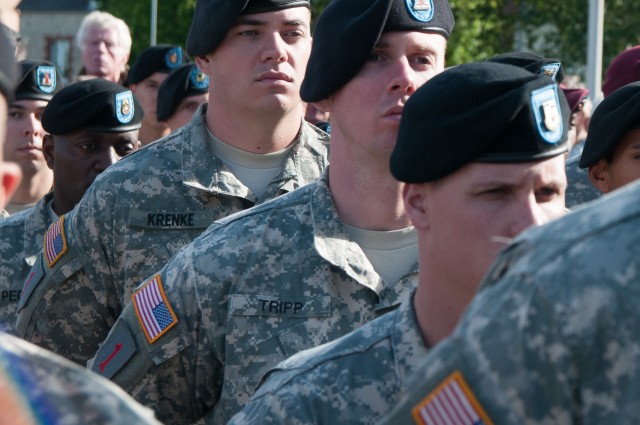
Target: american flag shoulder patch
x,y
153,310
453,403
55,242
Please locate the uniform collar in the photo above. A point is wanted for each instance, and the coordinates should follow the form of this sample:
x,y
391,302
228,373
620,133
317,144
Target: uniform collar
x,y
202,170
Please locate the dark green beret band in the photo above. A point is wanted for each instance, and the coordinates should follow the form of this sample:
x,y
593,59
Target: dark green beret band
x,y
479,112
185,81
161,58
39,80
348,30
213,18
96,105
615,115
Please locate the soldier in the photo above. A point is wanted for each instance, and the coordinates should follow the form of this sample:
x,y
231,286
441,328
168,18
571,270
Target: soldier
x,y
146,76
473,180
38,82
37,386
86,134
553,336
247,145
613,143
105,45
624,69
305,268
181,94
579,189
580,106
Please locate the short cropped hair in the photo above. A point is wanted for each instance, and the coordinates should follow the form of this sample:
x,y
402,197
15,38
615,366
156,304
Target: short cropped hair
x,y
104,20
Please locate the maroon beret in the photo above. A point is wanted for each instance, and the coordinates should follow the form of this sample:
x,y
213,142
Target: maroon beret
x,y
574,96
623,69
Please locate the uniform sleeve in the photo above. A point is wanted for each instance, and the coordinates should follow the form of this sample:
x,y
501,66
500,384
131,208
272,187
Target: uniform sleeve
x,y
69,301
507,363
285,398
57,391
160,351
271,410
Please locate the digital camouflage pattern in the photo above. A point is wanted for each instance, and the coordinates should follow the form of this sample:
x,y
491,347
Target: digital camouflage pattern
x,y
21,237
131,221
38,387
554,336
355,379
579,188
254,289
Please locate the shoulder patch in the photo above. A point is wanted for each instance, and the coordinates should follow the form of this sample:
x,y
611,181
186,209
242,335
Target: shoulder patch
x,y
451,402
55,242
153,310
115,351
35,276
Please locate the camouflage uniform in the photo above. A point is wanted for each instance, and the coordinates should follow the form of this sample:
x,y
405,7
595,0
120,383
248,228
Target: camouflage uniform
x,y
579,188
131,221
355,379
553,338
38,387
254,289
21,237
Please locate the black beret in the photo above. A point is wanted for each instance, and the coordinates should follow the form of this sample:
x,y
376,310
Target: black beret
x,y
39,80
479,112
213,18
185,81
162,58
615,115
348,30
532,62
96,104
8,69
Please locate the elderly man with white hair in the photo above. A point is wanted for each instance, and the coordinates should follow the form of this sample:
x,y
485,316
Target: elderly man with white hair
x,y
105,43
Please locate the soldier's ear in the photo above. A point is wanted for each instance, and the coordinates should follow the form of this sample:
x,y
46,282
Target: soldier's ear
x,y
599,176
416,204
48,149
204,64
323,105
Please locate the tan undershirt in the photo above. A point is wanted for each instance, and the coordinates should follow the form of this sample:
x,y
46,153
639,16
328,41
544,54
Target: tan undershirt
x,y
391,253
254,170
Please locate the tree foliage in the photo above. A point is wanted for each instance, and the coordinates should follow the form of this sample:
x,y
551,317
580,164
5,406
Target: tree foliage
x,y
483,28
174,18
